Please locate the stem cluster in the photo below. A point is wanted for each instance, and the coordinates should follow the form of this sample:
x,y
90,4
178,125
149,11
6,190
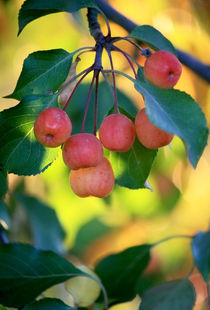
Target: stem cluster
x,y
102,43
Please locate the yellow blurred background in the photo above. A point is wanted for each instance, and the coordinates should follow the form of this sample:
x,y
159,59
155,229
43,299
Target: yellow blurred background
x,y
180,200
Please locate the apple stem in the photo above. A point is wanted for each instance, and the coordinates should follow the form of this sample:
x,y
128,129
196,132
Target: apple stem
x,y
88,70
144,51
96,103
128,60
114,81
88,100
84,52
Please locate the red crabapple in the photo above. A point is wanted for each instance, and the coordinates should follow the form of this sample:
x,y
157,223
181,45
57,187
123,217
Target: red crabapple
x,y
148,134
117,133
82,150
162,69
93,181
52,127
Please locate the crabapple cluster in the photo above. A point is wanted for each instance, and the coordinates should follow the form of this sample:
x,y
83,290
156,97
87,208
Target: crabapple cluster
x,y
91,173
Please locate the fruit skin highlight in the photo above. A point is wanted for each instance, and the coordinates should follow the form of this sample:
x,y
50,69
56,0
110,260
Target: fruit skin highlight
x,y
84,290
162,69
52,127
117,133
82,150
93,181
148,134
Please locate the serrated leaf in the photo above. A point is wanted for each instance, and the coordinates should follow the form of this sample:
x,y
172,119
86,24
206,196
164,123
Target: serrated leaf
x,y
48,304
20,153
33,9
3,183
42,71
120,272
173,295
176,112
45,237
201,253
131,169
4,215
152,37
25,272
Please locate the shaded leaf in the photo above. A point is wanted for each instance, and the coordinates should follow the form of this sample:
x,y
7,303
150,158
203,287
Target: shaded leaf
x,y
201,253
48,304
4,215
42,71
26,272
131,169
173,295
152,37
149,280
176,112
20,153
3,183
33,9
88,233
168,193
120,272
45,237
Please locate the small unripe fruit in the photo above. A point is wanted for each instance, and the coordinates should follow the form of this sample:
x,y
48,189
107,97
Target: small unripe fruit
x,y
84,290
162,69
52,127
93,181
82,150
117,133
148,134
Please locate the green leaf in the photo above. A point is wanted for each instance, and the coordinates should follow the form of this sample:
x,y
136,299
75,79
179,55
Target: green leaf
x,y
126,106
48,304
33,9
20,153
148,280
88,233
3,183
201,253
26,272
131,169
45,237
120,272
4,215
176,112
42,71
152,37
173,295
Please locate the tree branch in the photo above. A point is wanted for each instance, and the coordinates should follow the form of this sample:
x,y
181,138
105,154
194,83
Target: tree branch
x,y
191,62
